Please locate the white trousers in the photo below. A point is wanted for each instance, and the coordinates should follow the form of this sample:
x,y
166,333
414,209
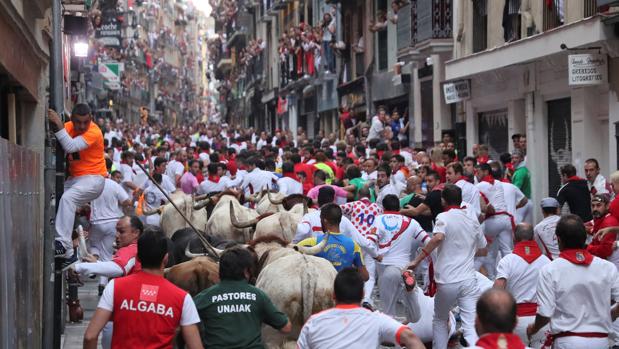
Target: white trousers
x,y
537,341
499,230
464,294
101,237
614,334
525,213
391,288
78,191
106,335
580,343
368,286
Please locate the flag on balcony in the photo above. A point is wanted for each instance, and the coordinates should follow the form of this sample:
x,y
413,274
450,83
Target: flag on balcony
x,y
282,105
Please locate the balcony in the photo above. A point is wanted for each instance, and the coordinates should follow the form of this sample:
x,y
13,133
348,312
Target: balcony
x,y
425,25
224,65
243,26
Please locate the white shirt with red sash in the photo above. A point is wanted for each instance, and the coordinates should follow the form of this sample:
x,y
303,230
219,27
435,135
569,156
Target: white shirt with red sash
x,y
575,292
213,184
470,194
146,311
500,341
521,269
397,237
453,259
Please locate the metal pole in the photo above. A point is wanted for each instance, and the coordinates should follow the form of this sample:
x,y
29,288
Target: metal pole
x,y
195,230
57,103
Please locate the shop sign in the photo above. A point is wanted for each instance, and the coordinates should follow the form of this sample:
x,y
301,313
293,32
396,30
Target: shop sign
x,y
587,69
109,32
457,91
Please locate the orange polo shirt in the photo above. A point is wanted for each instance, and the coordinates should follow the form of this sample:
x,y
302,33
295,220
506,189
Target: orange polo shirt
x,y
89,161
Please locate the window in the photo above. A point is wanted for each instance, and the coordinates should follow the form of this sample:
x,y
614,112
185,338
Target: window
x,y
480,25
381,39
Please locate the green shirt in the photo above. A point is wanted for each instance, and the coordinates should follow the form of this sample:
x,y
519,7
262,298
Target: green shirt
x,y
522,179
359,183
406,200
232,313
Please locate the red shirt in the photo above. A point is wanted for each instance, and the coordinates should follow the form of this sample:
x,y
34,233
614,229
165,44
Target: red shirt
x,y
603,248
613,209
147,311
125,257
307,169
442,172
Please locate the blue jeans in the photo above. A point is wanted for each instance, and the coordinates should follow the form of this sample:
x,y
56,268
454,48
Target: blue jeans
x,y
328,56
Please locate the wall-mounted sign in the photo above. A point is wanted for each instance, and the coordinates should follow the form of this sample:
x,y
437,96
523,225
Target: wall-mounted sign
x,y
587,69
109,30
457,91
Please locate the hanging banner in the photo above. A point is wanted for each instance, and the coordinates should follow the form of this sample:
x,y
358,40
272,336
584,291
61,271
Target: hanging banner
x,y
587,69
457,91
109,30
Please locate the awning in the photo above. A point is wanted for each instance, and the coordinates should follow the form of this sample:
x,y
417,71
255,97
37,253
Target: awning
x,y
577,34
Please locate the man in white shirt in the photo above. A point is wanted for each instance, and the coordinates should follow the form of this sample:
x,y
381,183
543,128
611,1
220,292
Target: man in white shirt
x,y
384,186
348,325
256,179
544,232
574,292
499,223
470,193
288,184
214,182
597,183
311,225
176,167
129,174
456,238
161,164
377,127
518,273
105,211
153,199
398,170
369,170
398,238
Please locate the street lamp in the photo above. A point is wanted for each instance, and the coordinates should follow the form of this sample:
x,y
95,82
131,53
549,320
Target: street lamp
x,y
80,49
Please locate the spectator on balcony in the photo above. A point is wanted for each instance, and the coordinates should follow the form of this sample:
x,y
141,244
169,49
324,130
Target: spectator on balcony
x,y
380,23
511,20
328,34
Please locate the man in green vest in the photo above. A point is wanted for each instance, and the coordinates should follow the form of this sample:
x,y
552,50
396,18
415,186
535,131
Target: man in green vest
x,y
233,311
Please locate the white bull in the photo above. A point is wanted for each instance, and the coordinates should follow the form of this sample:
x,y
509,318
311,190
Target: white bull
x,y
171,220
282,224
298,284
266,203
220,225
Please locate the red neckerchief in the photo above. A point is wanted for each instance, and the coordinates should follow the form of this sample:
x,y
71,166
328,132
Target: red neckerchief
x,y
439,187
500,341
462,178
291,175
214,179
575,179
577,256
452,207
482,159
527,250
488,179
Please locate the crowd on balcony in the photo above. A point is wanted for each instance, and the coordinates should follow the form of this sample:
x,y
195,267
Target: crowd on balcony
x,y
224,11
304,49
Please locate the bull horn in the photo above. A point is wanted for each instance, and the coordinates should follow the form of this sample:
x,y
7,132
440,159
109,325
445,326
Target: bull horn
x,y
274,202
200,197
238,224
313,249
202,204
152,212
192,255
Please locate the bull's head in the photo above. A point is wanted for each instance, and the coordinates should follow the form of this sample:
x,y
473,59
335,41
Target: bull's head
x,y
313,249
191,255
273,201
200,204
241,225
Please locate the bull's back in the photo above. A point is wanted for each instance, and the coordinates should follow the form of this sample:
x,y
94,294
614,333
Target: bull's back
x,y
290,282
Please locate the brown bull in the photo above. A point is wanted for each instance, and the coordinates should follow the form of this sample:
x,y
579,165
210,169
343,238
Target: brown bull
x,y
195,275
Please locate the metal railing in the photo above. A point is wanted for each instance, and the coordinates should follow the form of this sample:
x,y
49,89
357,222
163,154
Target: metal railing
x,y
590,8
554,14
431,20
